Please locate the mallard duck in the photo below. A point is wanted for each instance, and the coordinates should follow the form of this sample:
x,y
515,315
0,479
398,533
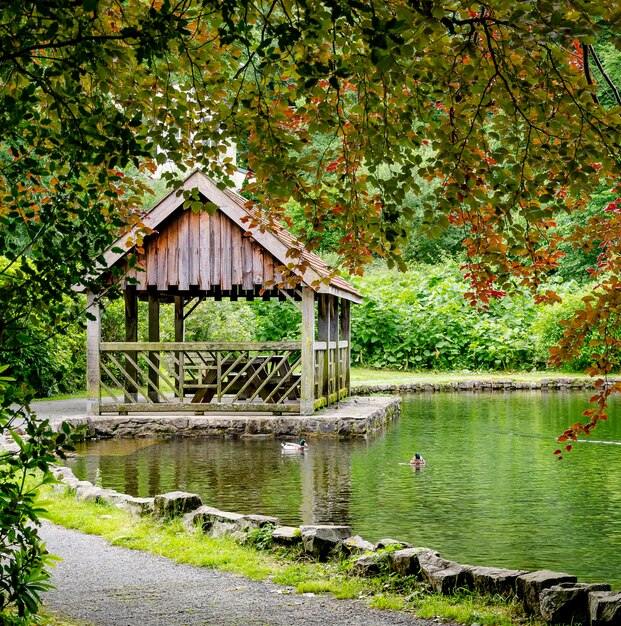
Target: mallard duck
x,y
288,446
417,460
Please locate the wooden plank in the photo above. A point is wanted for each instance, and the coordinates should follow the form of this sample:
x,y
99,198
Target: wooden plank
x,y
226,258
204,277
236,255
194,248
183,241
131,335
173,253
257,264
198,407
151,257
154,337
215,251
93,340
141,272
247,263
162,265
268,268
144,346
307,390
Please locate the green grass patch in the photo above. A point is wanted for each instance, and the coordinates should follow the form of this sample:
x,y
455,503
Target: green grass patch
x,y
360,375
467,608
44,618
388,602
288,568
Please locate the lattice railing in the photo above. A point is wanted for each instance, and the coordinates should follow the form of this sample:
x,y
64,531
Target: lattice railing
x,y
200,376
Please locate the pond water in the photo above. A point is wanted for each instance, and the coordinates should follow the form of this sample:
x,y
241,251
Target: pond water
x,y
492,492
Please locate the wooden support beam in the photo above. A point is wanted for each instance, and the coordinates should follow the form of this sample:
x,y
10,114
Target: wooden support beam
x,y
345,335
323,335
333,383
131,335
154,335
93,339
307,391
179,338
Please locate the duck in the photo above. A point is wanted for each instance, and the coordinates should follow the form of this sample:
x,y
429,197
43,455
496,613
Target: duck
x,y
417,460
288,446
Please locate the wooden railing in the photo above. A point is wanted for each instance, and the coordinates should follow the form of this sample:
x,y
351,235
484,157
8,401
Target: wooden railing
x,y
200,377
331,370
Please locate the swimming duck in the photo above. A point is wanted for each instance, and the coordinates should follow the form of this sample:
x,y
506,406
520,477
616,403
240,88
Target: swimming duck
x,y
417,460
288,446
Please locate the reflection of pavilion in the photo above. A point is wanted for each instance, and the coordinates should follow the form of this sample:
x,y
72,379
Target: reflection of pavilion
x,y
326,484
218,251
251,476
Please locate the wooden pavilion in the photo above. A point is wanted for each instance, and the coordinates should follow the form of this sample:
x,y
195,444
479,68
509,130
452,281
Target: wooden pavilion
x,y
212,254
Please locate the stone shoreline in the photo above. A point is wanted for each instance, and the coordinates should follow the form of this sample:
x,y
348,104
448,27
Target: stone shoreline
x,y
556,597
545,384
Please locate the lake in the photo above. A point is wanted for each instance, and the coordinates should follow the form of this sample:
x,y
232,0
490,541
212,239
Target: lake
x,y
492,492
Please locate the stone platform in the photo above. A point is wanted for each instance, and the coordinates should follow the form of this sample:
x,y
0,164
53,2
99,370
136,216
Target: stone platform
x,y
353,417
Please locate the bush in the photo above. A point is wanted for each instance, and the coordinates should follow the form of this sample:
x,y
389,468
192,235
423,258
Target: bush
x,y
23,557
420,320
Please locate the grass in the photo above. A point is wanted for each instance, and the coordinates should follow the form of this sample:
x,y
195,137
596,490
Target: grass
x,y
360,375
44,618
288,568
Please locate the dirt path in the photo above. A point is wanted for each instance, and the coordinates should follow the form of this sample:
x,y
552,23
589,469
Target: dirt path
x,y
108,585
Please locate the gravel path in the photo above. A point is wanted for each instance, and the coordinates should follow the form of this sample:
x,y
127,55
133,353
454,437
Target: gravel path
x,y
113,586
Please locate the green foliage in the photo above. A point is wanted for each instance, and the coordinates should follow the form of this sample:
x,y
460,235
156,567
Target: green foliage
x,y
260,538
33,339
421,320
277,321
548,328
23,556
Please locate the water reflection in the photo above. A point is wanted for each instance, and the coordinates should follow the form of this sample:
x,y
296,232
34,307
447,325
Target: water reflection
x,y
491,493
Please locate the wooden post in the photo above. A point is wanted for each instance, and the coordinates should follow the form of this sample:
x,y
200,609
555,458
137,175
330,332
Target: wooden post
x,y
333,360
154,335
179,338
93,339
323,334
345,335
131,335
307,392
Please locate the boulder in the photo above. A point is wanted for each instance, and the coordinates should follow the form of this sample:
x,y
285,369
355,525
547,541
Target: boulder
x,y
354,545
442,575
60,472
175,503
253,522
206,517
368,565
321,540
494,580
529,586
136,506
605,608
89,493
405,562
392,543
568,603
286,535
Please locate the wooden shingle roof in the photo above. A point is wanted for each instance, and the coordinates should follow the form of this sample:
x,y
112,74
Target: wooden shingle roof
x,y
194,253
